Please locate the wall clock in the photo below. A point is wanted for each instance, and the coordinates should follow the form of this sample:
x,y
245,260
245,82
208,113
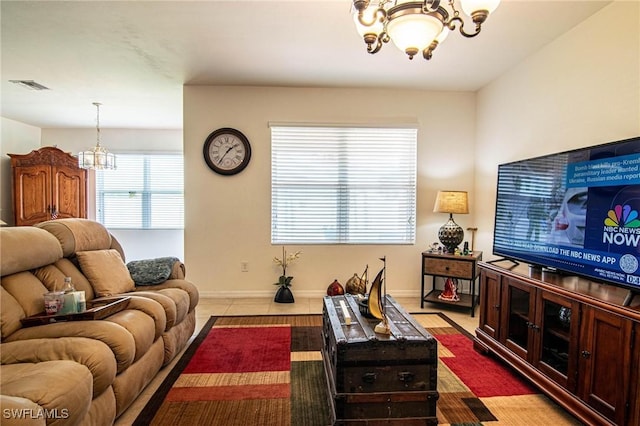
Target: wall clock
x,y
227,151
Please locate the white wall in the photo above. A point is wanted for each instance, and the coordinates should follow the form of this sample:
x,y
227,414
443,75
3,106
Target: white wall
x,y
228,217
17,138
580,90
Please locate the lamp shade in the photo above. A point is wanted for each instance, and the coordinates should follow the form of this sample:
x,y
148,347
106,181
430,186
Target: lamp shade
x,y
451,202
471,6
368,16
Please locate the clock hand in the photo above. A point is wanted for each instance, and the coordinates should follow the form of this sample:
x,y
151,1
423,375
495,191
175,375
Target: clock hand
x,y
226,152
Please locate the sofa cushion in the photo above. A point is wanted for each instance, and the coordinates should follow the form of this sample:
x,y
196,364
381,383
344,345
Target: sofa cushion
x,y
120,341
141,327
80,282
76,234
17,404
187,286
168,305
93,354
106,272
27,289
26,247
10,314
71,398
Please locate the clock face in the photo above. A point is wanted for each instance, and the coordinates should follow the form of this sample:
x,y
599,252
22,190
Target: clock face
x,y
227,151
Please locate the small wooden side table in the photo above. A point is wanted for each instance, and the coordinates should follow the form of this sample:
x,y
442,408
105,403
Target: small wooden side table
x,y
451,266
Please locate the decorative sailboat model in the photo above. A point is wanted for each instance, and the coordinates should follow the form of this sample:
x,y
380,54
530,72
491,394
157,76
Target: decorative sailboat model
x,y
377,300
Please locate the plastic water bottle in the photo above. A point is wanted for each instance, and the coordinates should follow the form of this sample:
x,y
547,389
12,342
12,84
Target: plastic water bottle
x,y
70,305
68,285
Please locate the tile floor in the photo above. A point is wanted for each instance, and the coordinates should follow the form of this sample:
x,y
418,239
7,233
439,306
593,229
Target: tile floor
x,y
265,306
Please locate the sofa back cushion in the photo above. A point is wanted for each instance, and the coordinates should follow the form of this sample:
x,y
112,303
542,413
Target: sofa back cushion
x,y
80,282
27,290
77,235
106,272
25,247
10,314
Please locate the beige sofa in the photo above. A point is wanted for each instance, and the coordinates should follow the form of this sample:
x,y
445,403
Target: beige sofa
x,y
82,372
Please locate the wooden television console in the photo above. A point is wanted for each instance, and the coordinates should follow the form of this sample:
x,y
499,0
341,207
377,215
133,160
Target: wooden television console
x,y
572,337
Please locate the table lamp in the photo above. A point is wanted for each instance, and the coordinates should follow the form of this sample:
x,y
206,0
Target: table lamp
x,y
451,234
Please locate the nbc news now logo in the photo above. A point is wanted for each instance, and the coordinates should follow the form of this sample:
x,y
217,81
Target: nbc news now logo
x,y
622,227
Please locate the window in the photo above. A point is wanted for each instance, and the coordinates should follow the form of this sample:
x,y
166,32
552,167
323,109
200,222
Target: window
x,y
146,191
344,185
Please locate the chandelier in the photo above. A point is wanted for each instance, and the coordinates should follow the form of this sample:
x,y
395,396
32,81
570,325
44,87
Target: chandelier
x,y
415,26
97,158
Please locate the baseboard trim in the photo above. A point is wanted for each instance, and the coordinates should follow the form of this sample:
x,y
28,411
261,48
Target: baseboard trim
x,y
296,293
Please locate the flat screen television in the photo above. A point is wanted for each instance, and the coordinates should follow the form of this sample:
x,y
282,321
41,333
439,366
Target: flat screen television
x,y
575,211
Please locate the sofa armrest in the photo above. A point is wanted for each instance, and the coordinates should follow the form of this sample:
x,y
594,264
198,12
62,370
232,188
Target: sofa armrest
x,y
178,271
149,307
21,407
117,338
93,354
61,387
185,285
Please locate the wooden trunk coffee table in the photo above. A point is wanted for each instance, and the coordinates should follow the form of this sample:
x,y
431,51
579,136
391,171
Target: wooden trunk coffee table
x,y
374,378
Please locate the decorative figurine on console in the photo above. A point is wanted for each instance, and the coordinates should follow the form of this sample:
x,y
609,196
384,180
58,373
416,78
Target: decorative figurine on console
x,y
357,285
450,292
378,299
335,289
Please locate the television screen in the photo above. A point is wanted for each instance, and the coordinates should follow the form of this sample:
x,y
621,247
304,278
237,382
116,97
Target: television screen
x,y
575,211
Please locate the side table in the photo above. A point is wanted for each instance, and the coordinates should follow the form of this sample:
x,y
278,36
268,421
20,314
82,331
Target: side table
x,y
451,266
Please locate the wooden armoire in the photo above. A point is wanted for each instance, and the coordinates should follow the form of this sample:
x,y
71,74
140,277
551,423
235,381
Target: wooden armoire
x,y
47,184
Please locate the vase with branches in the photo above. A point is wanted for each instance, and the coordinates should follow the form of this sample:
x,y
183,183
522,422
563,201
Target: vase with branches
x,y
284,295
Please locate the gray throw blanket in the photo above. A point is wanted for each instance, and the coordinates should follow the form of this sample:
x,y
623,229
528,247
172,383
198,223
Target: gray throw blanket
x,y
151,271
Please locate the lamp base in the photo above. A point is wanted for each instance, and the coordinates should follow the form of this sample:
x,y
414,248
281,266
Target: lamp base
x,y
451,235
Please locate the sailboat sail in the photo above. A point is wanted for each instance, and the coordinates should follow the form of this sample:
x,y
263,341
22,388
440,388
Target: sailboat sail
x,y
375,296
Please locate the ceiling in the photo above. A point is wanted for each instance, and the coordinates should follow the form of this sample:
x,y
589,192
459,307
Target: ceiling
x,y
135,56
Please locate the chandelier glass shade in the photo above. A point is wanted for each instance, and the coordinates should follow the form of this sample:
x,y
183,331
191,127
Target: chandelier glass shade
x,y
416,26
97,158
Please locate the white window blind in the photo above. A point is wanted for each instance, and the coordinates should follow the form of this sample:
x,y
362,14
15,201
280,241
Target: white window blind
x,y
345,185
146,191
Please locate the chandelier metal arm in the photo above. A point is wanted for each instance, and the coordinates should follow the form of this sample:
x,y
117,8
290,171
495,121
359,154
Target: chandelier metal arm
x,y
382,38
376,49
430,5
452,26
428,52
379,16
97,105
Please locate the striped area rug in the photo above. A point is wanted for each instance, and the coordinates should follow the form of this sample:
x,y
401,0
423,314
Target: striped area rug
x,y
267,370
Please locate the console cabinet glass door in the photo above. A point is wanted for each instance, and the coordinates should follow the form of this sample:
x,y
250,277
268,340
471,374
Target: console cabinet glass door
x,y
518,299
557,326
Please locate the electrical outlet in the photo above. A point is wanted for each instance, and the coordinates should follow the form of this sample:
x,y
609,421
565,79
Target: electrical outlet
x,y
244,266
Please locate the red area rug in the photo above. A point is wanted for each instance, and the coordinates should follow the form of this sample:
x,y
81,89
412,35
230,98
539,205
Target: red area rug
x,y
483,378
237,350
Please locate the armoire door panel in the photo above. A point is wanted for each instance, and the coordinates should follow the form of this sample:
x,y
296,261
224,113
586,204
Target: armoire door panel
x,y
32,198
